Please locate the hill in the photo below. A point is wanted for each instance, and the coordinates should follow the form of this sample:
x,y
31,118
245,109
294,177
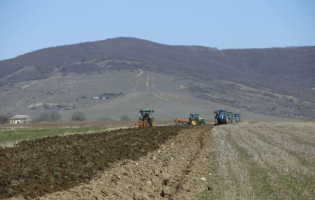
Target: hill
x,y
274,81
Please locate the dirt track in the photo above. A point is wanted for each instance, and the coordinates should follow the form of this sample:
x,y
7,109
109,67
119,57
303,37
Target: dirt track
x,y
153,163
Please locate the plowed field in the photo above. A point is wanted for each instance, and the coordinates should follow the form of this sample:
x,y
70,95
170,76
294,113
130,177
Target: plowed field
x,y
110,160
261,160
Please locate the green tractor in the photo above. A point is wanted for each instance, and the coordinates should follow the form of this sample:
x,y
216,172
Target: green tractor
x,y
146,118
195,119
231,118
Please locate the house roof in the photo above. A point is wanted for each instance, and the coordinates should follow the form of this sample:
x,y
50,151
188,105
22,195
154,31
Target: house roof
x,y
20,117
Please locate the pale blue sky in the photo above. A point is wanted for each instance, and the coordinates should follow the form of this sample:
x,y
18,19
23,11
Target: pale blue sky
x,y
28,25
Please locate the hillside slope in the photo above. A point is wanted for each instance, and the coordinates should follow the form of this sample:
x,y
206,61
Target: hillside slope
x,y
276,81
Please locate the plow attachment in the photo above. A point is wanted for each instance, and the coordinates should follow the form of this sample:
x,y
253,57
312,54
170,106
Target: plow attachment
x,y
142,124
181,121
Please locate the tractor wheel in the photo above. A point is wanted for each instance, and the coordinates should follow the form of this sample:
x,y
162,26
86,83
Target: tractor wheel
x,y
152,122
216,122
226,120
202,123
193,122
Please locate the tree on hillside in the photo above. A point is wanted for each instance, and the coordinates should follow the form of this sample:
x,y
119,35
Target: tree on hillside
x,y
78,116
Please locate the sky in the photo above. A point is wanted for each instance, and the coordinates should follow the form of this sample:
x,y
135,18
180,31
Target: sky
x,y
29,25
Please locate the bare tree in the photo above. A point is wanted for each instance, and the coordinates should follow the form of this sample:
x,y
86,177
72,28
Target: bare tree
x,y
124,118
50,116
42,117
78,116
54,116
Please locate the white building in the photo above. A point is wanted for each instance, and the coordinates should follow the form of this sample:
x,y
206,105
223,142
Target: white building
x,y
20,119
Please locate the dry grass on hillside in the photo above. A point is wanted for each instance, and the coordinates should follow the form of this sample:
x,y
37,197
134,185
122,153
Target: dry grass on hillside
x,y
264,161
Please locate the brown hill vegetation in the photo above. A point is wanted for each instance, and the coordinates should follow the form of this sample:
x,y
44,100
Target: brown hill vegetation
x,y
285,70
274,81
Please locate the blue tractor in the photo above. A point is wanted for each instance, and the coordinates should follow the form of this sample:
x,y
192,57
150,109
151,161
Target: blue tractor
x,y
237,117
221,117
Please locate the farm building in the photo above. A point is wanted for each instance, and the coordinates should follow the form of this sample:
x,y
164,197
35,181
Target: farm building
x,y
20,119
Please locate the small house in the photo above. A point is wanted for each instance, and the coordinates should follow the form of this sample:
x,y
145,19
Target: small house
x,y
20,119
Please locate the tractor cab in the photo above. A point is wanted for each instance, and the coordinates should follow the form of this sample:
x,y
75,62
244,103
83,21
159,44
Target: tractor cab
x,y
194,116
146,113
237,117
195,119
221,117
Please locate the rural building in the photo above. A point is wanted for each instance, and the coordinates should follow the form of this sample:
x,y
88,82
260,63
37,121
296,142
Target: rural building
x,y
94,98
20,119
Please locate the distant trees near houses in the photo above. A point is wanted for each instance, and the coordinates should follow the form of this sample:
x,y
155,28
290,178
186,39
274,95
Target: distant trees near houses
x,y
78,116
50,116
4,118
54,116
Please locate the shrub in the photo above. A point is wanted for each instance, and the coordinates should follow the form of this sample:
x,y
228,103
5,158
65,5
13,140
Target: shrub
x,y
54,116
78,116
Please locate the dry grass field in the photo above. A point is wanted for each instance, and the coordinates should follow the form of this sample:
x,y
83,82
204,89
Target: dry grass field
x,y
263,161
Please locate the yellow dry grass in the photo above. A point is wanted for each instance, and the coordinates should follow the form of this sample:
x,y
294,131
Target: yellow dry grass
x,y
263,161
